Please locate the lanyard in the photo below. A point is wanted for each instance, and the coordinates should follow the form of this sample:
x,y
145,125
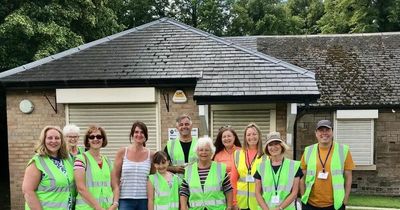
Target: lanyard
x,y
320,160
248,163
276,182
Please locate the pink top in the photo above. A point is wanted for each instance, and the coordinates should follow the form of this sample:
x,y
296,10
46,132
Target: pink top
x,y
227,158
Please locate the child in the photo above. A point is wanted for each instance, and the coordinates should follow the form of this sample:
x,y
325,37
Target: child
x,y
163,186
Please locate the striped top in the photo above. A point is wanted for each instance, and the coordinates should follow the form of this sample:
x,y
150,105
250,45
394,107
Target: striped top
x,y
134,178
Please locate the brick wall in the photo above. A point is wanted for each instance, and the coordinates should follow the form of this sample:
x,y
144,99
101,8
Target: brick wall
x,y
24,131
382,181
168,118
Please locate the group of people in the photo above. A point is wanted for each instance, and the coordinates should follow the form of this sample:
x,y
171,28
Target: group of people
x,y
189,173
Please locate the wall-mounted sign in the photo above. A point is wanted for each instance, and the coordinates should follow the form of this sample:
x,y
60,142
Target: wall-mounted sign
x,y
173,133
179,97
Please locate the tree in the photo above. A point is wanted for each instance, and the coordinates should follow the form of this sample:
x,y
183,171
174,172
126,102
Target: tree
x,y
41,28
308,13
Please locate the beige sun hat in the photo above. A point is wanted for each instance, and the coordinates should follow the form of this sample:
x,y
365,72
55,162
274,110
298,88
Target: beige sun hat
x,y
276,136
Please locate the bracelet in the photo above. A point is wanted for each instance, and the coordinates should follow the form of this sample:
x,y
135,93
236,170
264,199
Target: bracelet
x,y
115,203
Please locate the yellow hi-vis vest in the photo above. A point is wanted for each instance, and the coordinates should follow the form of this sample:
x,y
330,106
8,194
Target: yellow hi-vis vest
x,y
165,197
246,191
211,196
337,171
98,182
55,188
287,173
175,152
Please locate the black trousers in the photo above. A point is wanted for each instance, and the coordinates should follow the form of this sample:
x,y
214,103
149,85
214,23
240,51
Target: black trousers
x,y
311,207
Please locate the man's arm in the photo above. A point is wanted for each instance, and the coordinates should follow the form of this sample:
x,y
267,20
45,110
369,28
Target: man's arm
x,y
171,168
347,185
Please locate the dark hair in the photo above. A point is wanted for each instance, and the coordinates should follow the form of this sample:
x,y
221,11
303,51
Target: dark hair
x,y
160,157
143,127
90,130
218,141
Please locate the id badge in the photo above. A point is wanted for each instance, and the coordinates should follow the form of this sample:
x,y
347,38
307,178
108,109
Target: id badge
x,y
249,178
322,175
275,199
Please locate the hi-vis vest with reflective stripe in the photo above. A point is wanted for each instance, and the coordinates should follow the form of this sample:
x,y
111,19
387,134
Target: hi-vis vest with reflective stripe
x,y
287,174
212,196
336,171
55,188
81,150
165,198
98,182
175,152
246,196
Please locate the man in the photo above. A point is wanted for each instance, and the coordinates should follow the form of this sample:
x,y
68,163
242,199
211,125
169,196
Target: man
x,y
327,168
180,150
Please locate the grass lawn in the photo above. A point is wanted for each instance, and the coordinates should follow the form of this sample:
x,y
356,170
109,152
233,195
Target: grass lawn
x,y
374,201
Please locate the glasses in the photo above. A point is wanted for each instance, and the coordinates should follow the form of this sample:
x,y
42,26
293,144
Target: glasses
x,y
91,137
73,137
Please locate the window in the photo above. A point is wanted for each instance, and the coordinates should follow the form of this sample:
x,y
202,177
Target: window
x,y
356,129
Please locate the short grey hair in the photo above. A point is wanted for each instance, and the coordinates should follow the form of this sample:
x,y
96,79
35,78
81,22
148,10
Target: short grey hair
x,y
183,116
71,128
204,141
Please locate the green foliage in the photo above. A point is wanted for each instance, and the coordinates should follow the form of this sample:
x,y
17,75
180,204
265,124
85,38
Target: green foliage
x,y
307,12
374,201
41,28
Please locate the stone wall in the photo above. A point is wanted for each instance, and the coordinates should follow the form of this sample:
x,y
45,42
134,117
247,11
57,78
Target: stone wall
x,y
382,181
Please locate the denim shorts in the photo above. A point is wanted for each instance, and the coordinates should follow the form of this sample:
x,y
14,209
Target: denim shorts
x,y
132,204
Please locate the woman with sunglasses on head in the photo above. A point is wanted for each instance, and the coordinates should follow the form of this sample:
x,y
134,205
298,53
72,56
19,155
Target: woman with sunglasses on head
x,y
226,143
277,178
132,166
50,169
71,133
246,162
93,174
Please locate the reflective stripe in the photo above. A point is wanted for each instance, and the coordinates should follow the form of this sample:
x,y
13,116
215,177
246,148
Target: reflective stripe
x,y
308,155
244,193
341,156
206,189
189,172
49,204
237,156
310,173
309,185
291,174
48,172
54,188
206,203
338,187
219,173
98,184
166,207
336,172
100,200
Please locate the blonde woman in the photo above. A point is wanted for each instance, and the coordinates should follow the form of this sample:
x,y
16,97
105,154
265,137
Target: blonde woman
x,y
49,177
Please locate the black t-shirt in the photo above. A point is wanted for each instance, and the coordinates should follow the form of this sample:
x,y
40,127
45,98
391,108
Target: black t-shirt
x,y
299,173
185,148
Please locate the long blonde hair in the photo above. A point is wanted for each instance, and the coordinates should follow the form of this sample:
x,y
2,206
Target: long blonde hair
x,y
41,148
260,151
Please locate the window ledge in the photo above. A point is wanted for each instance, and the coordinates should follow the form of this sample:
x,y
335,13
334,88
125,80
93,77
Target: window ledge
x,y
365,168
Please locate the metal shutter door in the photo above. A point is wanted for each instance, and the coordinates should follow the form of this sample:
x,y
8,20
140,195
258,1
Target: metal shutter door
x,y
117,120
358,134
239,119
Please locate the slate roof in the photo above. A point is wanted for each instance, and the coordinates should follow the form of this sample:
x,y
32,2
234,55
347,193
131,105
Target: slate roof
x,y
352,70
169,50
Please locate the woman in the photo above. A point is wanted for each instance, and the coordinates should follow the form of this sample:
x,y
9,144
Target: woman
x,y
163,186
71,133
277,178
93,174
206,184
246,162
226,143
50,169
131,168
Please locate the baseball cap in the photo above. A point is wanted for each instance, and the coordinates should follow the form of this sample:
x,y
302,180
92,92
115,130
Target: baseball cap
x,y
324,123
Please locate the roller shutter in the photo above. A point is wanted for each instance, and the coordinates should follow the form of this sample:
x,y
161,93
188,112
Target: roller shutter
x,y
117,120
239,119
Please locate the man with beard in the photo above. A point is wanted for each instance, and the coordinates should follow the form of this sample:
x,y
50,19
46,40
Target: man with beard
x,y
327,167
180,150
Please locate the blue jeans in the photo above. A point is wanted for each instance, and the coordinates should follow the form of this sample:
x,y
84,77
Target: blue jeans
x,y
132,204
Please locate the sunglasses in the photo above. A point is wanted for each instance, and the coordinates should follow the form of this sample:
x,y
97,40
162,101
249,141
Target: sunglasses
x,y
91,137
